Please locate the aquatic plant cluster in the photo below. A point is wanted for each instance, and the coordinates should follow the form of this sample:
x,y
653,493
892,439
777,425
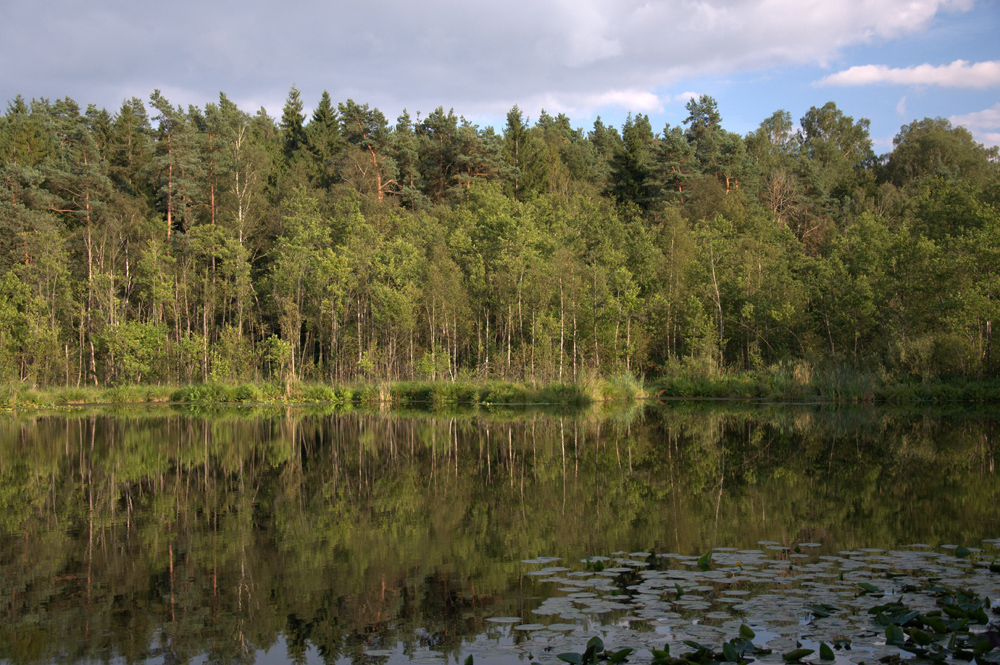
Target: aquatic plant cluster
x,y
775,604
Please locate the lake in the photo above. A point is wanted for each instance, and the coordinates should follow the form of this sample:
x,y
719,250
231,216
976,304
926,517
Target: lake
x,y
188,534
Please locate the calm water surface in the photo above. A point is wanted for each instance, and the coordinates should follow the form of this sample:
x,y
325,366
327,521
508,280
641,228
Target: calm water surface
x,y
169,535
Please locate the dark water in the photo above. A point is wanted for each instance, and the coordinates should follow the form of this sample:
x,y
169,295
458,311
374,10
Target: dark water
x,y
272,535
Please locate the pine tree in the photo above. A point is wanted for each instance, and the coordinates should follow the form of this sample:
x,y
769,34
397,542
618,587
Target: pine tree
x,y
524,156
293,124
130,147
369,165
704,129
673,166
405,148
78,183
174,164
324,141
630,167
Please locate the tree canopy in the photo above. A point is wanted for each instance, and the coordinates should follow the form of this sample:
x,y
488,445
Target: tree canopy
x,y
163,244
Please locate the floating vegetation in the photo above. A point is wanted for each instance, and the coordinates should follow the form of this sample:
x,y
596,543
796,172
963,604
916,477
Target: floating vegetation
x,y
734,605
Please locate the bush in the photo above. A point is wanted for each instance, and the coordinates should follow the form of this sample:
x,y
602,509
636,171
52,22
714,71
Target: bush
x,y
318,393
247,392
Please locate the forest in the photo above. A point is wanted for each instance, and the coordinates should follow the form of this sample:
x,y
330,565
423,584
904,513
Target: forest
x,y
164,245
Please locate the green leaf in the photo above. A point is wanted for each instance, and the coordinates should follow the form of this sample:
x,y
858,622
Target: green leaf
x,y
620,655
981,647
934,623
894,634
822,610
868,588
962,552
955,612
957,625
703,561
796,654
747,632
729,653
825,652
574,658
596,643
468,660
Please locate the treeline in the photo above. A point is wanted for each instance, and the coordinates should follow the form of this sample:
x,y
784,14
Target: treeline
x,y
209,244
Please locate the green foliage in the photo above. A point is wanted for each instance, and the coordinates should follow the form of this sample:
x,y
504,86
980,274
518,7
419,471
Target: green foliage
x,y
133,350
215,246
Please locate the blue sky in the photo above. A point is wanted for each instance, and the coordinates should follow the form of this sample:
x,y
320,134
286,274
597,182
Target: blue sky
x,y
891,61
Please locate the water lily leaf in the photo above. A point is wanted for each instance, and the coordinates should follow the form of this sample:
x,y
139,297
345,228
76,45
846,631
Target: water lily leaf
x,y
747,632
894,634
934,623
919,636
868,588
596,643
574,658
981,647
825,652
620,655
729,653
954,611
961,552
822,610
468,660
796,654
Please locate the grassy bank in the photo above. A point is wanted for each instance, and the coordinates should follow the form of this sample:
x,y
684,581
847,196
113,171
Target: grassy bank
x,y
794,384
404,393
782,384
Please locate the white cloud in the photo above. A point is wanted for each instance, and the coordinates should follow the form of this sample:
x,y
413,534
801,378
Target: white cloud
x,y
586,34
959,74
901,106
636,100
476,56
986,119
984,125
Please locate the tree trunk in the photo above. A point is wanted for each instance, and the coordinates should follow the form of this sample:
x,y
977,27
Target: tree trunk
x,y
562,329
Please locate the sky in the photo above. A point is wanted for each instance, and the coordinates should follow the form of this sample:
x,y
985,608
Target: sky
x,y
890,61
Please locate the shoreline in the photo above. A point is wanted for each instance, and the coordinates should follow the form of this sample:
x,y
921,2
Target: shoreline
x,y
751,387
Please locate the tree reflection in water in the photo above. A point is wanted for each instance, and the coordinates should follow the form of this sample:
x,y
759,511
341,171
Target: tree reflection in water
x,y
173,533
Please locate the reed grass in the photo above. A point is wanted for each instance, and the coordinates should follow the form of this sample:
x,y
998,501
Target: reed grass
x,y
796,382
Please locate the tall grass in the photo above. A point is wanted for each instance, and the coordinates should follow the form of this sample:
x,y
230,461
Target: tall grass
x,y
796,381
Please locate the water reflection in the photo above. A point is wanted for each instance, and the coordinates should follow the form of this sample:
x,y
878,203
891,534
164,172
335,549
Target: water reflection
x,y
152,534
